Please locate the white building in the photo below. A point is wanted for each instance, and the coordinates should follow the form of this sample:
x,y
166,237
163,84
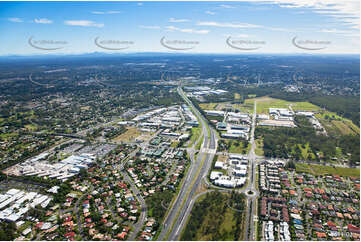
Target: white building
x,y
219,165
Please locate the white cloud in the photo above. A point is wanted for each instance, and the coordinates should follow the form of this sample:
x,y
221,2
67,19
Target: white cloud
x,y
226,6
336,31
140,4
149,27
107,12
341,32
238,35
210,12
191,31
228,25
347,11
85,23
15,20
113,12
173,20
43,21
281,29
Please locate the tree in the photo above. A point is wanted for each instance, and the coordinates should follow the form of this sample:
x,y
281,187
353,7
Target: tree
x,y
291,165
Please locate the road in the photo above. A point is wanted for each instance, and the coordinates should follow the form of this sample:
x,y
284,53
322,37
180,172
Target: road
x,y
38,83
143,213
137,194
251,191
179,211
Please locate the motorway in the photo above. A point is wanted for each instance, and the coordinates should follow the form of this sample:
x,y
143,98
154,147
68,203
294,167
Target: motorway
x,y
251,191
178,213
174,223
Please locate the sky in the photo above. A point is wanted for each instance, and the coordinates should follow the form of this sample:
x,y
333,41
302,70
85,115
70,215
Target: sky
x,y
267,26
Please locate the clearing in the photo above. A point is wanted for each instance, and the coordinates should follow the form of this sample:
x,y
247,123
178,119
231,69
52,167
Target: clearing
x,y
264,103
129,136
322,170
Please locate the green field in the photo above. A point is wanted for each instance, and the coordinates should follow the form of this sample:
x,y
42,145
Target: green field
x,y
306,151
264,103
337,125
322,170
245,108
303,168
174,144
259,147
196,132
31,127
128,136
208,106
199,144
213,219
6,136
237,146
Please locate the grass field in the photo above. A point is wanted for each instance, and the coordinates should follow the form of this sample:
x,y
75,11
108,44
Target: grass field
x,y
259,147
237,96
303,168
7,136
246,107
31,127
237,148
225,226
337,125
306,152
196,132
208,106
128,136
264,103
174,144
322,170
85,108
223,158
199,144
217,222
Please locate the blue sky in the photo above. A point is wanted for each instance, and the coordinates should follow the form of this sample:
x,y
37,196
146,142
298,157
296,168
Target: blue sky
x,y
269,26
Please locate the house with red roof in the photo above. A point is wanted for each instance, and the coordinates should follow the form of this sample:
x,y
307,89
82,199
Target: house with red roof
x,y
39,225
122,235
331,224
353,229
339,215
321,235
69,235
324,197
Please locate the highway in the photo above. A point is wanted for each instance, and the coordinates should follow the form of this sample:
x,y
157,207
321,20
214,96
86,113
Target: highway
x,y
178,213
251,187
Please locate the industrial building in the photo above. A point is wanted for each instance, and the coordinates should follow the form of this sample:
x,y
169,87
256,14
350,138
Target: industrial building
x,y
15,203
